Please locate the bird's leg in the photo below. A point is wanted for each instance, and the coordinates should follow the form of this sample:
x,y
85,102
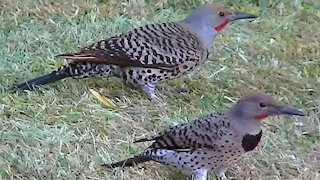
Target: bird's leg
x,y
150,89
200,174
222,175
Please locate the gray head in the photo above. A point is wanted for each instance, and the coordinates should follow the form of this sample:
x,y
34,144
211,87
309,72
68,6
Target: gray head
x,y
258,106
249,112
209,20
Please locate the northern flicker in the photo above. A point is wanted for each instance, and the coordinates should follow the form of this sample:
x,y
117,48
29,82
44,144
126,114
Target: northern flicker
x,y
147,55
213,142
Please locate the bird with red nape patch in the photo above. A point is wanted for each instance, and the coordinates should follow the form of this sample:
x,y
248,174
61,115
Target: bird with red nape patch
x,y
213,142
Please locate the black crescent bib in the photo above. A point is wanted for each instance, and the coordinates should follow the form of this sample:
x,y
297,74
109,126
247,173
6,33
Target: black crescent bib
x,y
249,142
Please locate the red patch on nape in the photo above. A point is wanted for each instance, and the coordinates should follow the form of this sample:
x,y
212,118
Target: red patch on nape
x,y
221,26
260,117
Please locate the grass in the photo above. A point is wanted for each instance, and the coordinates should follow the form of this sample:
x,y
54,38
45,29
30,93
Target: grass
x,y
62,132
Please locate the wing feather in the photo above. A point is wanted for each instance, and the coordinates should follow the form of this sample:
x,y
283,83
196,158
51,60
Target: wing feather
x,y
153,46
204,132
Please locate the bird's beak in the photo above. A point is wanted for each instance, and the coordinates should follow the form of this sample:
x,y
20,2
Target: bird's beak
x,y
238,15
290,111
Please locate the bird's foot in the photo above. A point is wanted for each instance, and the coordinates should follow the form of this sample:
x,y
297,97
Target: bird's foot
x,y
149,90
153,97
201,174
222,176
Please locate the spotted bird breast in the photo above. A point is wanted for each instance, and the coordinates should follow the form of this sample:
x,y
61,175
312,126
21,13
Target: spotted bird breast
x,y
186,66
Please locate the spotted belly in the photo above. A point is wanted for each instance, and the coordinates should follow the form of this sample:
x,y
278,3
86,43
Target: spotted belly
x,y
145,76
189,162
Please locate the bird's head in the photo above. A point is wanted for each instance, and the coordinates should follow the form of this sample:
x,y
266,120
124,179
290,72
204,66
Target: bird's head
x,y
216,16
259,106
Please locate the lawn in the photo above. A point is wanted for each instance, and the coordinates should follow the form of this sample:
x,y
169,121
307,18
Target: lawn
x,y
62,132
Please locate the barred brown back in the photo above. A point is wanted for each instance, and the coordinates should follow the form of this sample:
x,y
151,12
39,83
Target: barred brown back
x,y
156,46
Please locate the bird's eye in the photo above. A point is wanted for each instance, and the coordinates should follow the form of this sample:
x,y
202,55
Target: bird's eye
x,y
262,104
221,14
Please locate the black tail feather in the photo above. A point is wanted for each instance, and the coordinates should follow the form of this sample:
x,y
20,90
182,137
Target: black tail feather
x,y
42,80
129,162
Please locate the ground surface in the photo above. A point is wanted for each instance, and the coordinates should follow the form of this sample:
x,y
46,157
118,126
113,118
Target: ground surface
x,y
63,132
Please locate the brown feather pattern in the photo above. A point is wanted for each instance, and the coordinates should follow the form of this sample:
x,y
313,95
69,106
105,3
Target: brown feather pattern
x,y
161,46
